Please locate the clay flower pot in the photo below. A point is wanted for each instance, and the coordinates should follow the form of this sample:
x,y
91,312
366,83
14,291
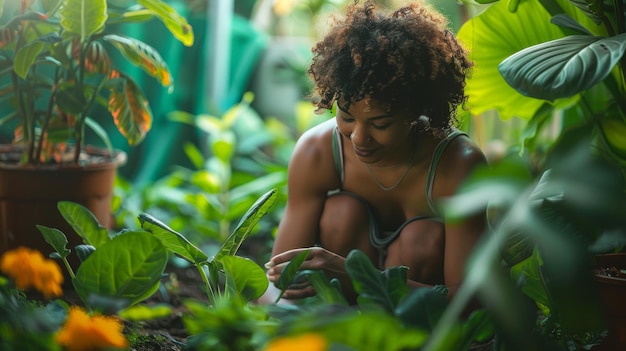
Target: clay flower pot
x,y
611,280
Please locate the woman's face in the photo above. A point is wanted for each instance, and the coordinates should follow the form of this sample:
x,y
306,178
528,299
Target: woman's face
x,y
378,136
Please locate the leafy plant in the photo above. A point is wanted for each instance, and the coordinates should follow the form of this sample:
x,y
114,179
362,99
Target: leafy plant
x,y
55,66
126,268
570,67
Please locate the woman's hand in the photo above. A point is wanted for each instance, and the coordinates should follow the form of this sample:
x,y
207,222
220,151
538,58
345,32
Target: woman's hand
x,y
319,258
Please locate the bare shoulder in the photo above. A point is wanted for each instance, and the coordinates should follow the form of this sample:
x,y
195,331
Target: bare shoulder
x,y
460,158
312,159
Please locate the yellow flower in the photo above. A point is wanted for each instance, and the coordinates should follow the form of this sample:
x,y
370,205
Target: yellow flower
x,y
29,268
84,333
304,342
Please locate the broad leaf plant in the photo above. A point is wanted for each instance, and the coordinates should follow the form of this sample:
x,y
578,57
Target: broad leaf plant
x,y
546,59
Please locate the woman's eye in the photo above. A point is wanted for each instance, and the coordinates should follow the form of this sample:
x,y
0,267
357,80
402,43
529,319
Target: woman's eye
x,y
346,119
381,126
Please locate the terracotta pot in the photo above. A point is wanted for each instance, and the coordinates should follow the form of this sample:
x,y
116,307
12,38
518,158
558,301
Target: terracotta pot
x,y
29,196
613,294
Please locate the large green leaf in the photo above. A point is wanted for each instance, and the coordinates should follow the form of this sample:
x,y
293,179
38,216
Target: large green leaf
x,y
174,22
496,34
84,223
372,285
563,67
246,225
83,17
244,278
142,55
422,307
127,268
173,240
130,110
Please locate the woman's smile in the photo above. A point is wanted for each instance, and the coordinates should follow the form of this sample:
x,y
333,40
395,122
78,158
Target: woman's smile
x,y
363,152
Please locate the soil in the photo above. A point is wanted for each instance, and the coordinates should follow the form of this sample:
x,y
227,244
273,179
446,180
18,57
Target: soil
x,y
167,333
611,272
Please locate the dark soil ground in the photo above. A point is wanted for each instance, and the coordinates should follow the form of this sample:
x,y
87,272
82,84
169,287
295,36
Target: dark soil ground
x,y
167,333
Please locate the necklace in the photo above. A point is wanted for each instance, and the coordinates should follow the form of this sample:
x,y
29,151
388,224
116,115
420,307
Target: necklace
x,y
389,188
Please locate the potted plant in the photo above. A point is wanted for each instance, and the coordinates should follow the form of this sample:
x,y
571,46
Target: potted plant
x,y
55,69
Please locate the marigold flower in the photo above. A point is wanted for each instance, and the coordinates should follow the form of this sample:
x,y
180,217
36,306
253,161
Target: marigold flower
x,y
304,342
84,333
29,268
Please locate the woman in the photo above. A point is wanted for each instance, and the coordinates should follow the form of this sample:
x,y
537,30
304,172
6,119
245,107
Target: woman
x,y
371,178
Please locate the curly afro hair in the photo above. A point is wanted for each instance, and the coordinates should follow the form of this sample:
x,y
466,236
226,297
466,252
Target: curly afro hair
x,y
406,60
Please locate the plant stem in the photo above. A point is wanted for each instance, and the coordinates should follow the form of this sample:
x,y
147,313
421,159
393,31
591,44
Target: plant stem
x,y
48,114
205,279
69,268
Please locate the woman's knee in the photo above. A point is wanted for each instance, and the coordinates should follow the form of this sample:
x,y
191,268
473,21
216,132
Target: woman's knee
x,y
342,212
344,225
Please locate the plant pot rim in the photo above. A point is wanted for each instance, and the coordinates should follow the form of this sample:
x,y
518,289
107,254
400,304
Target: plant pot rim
x,y
608,260
92,158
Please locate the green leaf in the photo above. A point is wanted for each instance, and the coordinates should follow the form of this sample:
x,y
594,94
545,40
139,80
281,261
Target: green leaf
x,y
223,145
422,308
83,17
143,312
56,239
246,225
100,132
563,67
142,55
174,22
173,240
496,34
368,281
130,110
368,331
83,251
84,223
244,278
25,57
327,290
71,98
527,273
127,267
499,185
290,271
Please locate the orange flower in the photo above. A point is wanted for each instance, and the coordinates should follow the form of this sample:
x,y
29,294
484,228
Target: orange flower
x,y
29,268
304,342
84,333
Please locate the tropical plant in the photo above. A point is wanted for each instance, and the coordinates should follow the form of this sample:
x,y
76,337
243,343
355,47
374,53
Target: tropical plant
x,y
570,67
55,67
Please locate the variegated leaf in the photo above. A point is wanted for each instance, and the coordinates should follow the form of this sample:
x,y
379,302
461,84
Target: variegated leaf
x,y
142,55
174,22
130,110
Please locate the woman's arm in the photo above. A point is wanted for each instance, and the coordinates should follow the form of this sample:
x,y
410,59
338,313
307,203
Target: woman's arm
x,y
311,175
461,236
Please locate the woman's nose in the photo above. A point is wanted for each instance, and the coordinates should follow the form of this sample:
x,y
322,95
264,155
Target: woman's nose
x,y
359,136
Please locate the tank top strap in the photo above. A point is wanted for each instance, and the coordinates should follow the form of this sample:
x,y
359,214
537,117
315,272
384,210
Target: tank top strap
x,y
439,149
338,153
